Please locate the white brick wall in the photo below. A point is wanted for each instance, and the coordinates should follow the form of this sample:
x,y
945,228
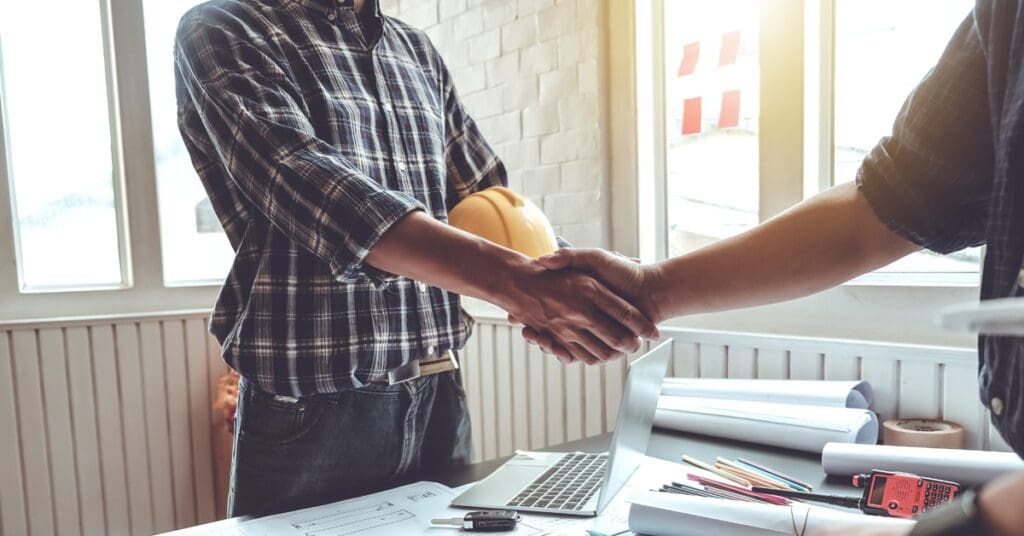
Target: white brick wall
x,y
531,73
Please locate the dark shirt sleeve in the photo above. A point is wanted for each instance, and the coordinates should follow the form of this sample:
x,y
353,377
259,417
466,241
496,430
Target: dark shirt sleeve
x,y
931,180
251,113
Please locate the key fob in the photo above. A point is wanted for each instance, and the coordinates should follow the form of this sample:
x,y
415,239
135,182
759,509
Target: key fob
x,y
490,521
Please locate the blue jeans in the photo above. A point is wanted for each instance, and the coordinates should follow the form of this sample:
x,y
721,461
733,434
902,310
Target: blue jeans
x,y
291,454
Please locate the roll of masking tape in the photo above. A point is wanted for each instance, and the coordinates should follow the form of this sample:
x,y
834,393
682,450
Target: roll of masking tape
x,y
923,433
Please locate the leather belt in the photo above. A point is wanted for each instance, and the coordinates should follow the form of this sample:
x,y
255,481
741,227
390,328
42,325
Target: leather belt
x,y
417,368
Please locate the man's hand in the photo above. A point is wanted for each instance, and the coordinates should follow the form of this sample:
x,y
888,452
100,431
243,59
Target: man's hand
x,y
580,316
589,321
628,279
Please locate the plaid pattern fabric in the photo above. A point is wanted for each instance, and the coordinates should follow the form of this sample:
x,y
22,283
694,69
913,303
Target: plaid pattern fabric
x,y
951,175
314,129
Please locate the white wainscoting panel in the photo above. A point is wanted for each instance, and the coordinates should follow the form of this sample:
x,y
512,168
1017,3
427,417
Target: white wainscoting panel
x,y
569,402
108,426
108,421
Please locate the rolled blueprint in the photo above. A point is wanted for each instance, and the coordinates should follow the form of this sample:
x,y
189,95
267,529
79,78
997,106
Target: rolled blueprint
x,y
806,428
841,394
968,467
658,514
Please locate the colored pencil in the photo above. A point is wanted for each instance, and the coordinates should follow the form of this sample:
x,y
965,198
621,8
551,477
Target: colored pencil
x,y
726,494
773,499
733,478
777,473
705,491
754,478
789,484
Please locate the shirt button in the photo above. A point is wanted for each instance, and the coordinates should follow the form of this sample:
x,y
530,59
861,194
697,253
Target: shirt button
x,y
997,405
422,287
401,166
387,108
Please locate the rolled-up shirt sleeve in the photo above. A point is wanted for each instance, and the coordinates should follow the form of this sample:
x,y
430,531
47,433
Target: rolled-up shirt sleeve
x,y
252,113
931,179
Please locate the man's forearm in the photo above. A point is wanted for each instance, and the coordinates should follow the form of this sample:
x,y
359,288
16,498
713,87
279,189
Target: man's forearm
x,y
424,249
815,245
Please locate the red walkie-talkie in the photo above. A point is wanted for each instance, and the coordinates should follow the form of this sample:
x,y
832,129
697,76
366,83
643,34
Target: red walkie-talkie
x,y
902,494
885,494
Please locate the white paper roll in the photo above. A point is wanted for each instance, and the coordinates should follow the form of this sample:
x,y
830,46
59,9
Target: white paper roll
x,y
806,428
968,467
841,394
669,514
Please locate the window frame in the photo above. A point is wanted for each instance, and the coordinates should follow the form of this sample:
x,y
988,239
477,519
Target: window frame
x,y
143,289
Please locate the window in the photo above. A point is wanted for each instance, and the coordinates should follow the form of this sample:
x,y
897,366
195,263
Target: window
x,y
726,79
57,131
885,40
100,208
194,247
711,135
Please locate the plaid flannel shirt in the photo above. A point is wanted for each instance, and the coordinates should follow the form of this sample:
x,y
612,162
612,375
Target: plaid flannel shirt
x,y
314,129
951,176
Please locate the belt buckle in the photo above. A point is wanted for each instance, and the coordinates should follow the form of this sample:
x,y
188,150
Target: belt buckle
x,y
425,366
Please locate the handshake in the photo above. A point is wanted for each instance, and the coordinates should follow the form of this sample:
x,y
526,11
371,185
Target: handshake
x,y
585,305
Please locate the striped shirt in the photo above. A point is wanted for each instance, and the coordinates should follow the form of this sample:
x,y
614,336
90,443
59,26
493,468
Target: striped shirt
x,y
315,128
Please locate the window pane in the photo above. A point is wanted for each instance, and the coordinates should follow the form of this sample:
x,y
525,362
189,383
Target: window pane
x,y
59,143
882,51
195,249
712,96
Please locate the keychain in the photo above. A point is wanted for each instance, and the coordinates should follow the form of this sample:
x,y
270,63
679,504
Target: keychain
x,y
482,521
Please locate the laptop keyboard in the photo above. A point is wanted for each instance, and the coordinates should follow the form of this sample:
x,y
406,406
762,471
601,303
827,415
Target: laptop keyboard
x,y
566,485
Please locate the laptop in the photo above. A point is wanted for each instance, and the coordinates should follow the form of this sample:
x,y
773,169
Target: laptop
x,y
578,483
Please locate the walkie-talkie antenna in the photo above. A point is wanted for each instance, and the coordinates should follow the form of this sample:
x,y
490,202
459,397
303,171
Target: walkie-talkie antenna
x,y
838,500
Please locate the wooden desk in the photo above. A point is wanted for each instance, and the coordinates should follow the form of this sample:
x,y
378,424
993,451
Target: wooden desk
x,y
665,444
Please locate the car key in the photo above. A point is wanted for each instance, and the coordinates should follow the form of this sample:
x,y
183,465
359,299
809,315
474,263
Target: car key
x,y
482,521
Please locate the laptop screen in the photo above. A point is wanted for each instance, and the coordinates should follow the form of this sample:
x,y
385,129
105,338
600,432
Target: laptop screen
x,y
636,416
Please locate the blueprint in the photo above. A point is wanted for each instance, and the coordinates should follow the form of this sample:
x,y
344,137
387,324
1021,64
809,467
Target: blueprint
x,y
409,509
404,510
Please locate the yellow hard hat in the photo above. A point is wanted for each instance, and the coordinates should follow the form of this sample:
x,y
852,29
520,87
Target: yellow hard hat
x,y
505,218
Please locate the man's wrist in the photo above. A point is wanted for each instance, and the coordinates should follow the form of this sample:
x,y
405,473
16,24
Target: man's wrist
x,y
654,289
496,275
672,289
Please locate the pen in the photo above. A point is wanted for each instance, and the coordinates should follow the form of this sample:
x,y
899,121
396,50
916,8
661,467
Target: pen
x,y
838,500
688,490
733,478
707,492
